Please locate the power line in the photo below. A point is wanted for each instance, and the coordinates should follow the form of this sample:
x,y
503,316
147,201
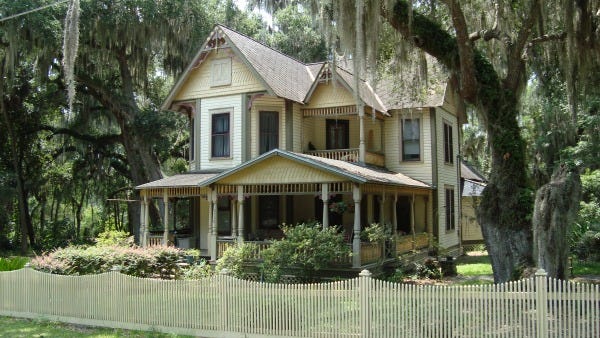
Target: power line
x,y
32,10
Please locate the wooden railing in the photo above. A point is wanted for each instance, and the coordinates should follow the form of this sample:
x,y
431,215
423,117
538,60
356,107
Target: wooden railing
x,y
154,240
370,252
255,255
409,243
349,155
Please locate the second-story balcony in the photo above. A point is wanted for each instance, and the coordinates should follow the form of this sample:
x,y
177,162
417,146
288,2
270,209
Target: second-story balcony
x,y
349,155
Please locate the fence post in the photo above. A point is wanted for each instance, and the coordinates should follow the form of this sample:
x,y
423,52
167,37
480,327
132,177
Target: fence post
x,y
224,285
541,303
365,289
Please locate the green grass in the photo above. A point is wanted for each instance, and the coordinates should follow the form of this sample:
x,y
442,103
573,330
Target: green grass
x,y
586,268
15,327
12,263
474,266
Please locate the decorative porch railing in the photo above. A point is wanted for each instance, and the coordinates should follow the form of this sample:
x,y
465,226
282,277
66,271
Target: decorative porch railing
x,y
349,155
255,255
408,243
370,252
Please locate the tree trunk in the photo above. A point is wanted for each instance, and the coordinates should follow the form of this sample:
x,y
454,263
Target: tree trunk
x,y
556,206
507,201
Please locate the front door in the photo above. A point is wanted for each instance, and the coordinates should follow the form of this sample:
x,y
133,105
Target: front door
x,y
338,134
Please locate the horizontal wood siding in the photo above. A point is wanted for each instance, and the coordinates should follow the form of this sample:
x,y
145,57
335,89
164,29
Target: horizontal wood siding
x,y
470,228
279,170
198,85
265,103
330,95
447,176
233,104
420,170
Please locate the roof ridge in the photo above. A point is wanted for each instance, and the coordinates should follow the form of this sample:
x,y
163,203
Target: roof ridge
x,y
264,45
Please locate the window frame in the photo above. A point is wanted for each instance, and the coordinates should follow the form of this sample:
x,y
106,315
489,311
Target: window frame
x,y
448,136
402,140
213,115
449,207
260,132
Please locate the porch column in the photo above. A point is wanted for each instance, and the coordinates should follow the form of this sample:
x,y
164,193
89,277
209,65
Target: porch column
x,y
240,205
412,220
382,209
356,195
166,218
234,220
370,209
395,214
213,227
146,218
325,198
361,120
142,221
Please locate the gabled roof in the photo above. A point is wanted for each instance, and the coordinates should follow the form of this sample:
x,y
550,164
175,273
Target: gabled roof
x,y
469,173
349,171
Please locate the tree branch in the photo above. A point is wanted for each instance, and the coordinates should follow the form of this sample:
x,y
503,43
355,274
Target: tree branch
x,y
465,50
541,39
514,74
106,98
99,140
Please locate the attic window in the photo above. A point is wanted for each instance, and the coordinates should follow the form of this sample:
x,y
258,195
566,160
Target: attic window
x,y
220,72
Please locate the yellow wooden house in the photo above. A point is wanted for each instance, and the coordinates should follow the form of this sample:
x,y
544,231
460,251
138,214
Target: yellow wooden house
x,y
275,140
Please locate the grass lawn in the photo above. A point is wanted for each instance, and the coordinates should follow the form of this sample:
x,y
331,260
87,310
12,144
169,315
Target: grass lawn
x,y
586,268
474,265
16,327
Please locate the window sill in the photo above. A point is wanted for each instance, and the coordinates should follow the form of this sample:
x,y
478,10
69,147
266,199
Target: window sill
x,y
221,158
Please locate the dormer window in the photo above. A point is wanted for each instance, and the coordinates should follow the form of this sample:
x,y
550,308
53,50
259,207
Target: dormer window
x,y
220,72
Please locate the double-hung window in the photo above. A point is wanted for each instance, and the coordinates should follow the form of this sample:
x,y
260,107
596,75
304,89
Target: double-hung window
x,y
220,135
450,219
448,149
411,139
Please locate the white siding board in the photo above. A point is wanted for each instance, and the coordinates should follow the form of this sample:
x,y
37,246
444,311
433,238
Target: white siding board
x,y
447,176
298,127
233,104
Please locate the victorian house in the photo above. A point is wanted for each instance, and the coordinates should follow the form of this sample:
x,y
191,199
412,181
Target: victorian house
x,y
274,141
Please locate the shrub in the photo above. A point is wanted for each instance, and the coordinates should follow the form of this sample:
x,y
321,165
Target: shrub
x,y
154,261
114,238
430,269
236,258
13,263
305,249
588,246
197,271
376,233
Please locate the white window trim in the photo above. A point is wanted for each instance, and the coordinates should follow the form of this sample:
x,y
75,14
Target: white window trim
x,y
411,116
450,187
210,132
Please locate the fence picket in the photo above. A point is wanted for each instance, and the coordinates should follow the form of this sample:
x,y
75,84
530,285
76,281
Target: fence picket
x,y
361,307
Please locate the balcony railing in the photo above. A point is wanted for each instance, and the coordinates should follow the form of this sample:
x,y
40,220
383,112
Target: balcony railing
x,y
349,155
408,243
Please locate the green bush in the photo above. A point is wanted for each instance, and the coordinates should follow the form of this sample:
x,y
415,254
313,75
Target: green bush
x,y
430,269
376,233
588,246
236,258
154,261
13,263
304,250
197,271
114,238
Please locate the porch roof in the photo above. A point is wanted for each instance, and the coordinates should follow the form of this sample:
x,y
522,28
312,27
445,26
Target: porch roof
x,y
178,181
345,170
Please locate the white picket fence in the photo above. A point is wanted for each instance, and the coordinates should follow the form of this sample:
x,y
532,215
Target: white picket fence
x,y
222,306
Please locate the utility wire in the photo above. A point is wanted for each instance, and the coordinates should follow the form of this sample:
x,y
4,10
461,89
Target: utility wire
x,y
32,10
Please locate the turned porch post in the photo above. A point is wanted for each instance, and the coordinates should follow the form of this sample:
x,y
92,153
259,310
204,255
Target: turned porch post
x,y
234,220
325,198
240,200
166,218
145,216
212,247
395,214
412,220
382,209
356,196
